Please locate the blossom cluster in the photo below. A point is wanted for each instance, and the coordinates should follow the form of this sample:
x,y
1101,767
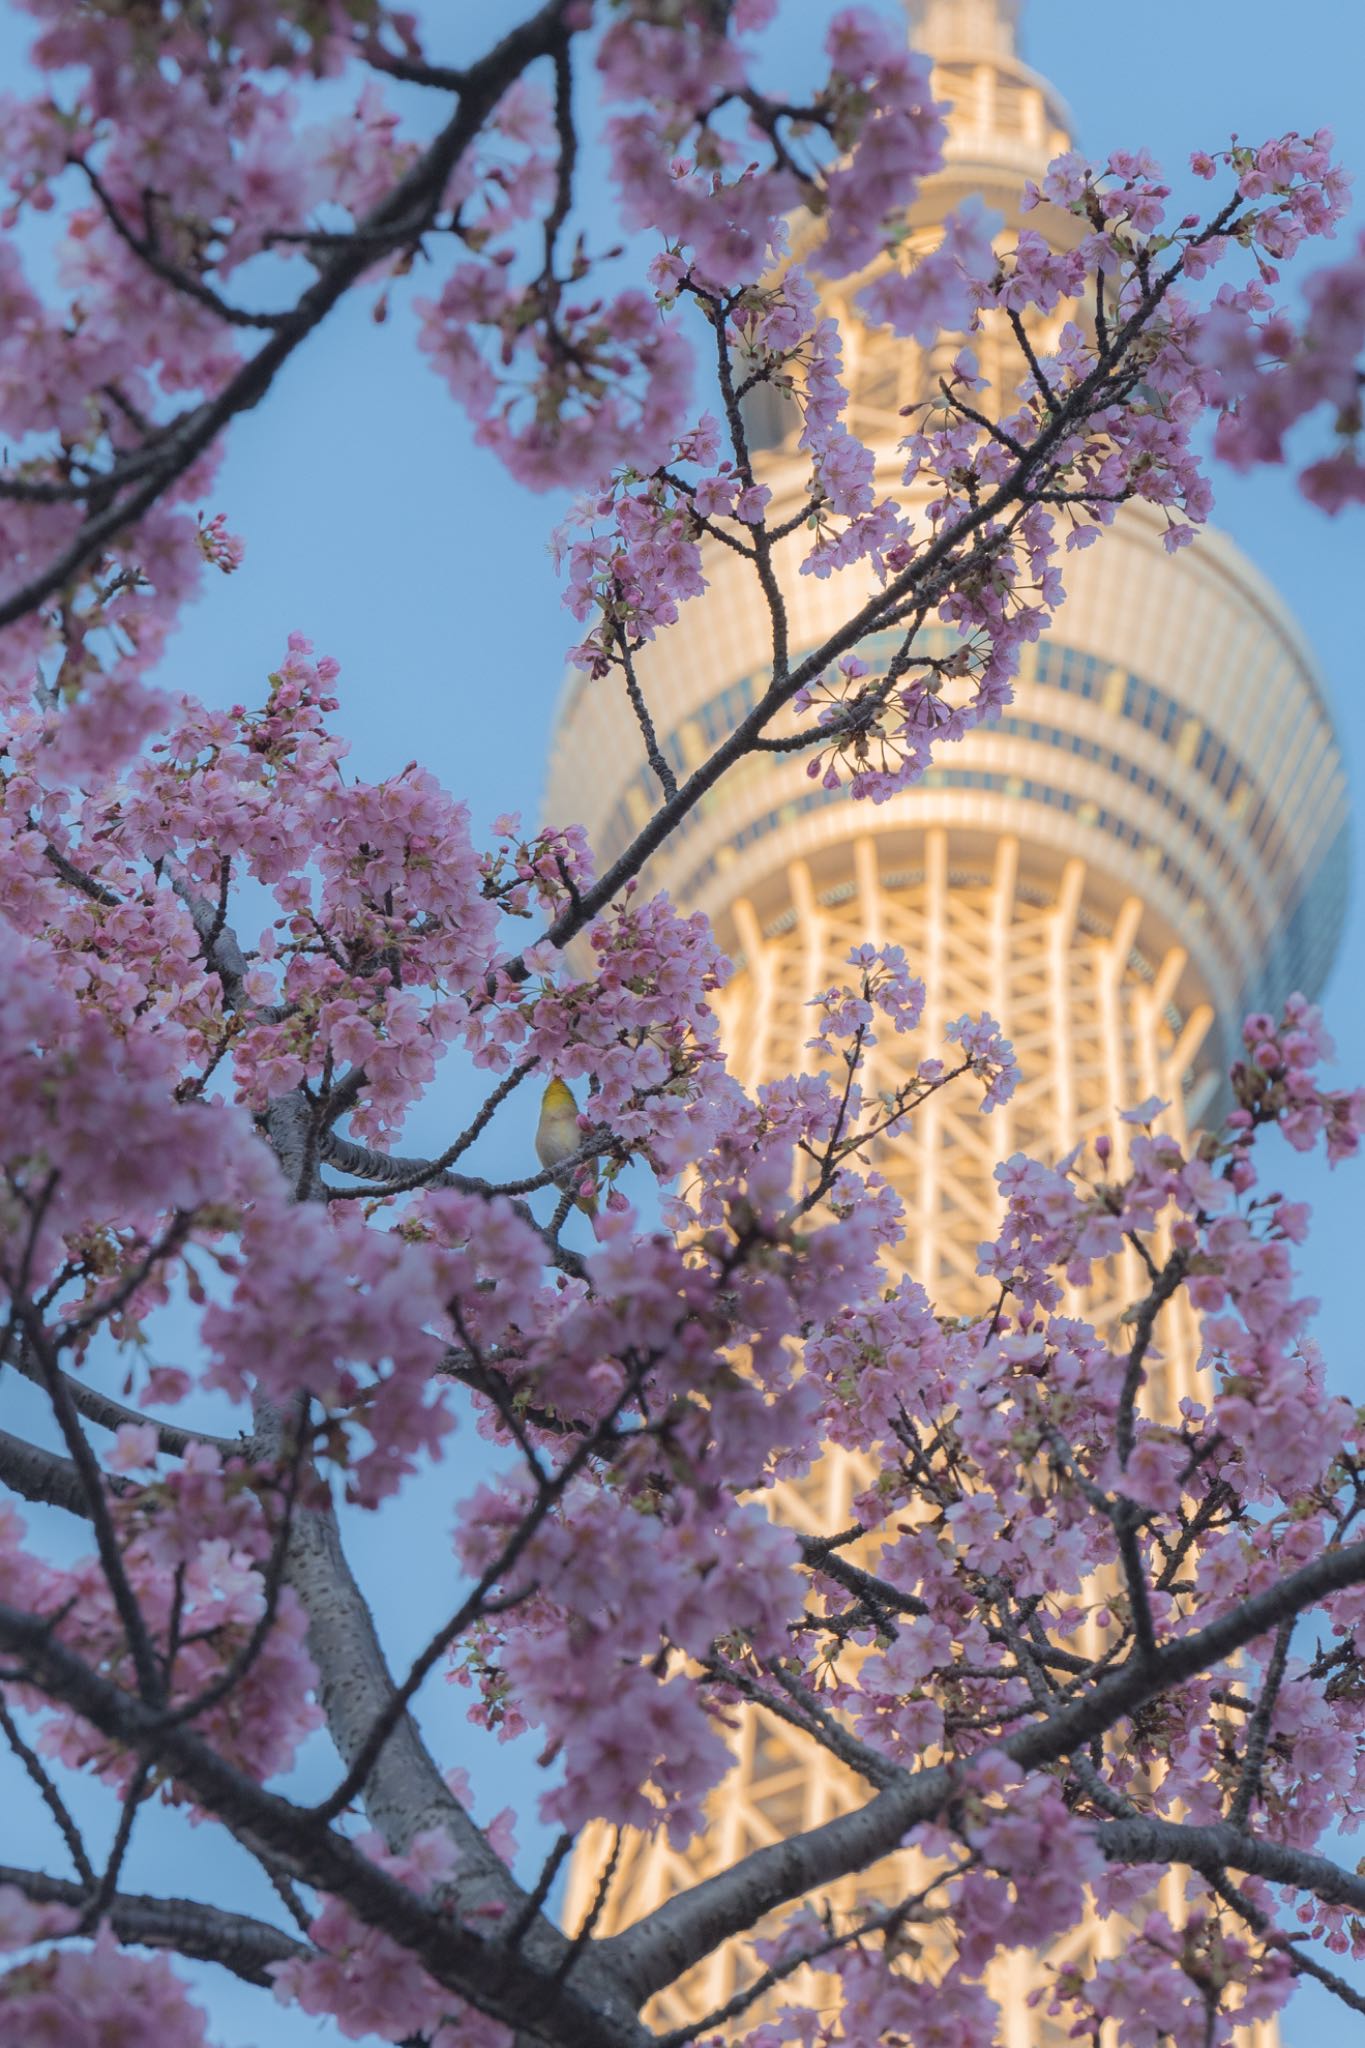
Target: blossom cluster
x,y
233,970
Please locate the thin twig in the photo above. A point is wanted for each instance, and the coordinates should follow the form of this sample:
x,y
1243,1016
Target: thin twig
x,y
140,1646
595,1910
50,1796
668,782
1258,1731
540,1892
98,1903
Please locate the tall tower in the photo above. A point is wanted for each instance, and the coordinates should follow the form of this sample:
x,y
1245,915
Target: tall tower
x,y
1151,841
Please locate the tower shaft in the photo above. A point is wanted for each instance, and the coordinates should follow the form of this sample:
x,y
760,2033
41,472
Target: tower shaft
x,y
990,925
1149,842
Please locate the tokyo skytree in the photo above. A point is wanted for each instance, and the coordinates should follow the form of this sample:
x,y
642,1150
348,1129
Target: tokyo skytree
x,y
1150,842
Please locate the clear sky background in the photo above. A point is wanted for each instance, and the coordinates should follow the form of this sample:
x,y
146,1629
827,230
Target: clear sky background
x,y
375,526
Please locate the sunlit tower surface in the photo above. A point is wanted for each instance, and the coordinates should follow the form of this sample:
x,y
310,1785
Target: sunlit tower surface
x,y
1151,841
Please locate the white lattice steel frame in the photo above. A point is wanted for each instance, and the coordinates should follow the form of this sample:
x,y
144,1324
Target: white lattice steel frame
x,y
1152,840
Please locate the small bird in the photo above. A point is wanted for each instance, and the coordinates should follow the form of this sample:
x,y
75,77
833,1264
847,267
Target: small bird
x,y
558,1137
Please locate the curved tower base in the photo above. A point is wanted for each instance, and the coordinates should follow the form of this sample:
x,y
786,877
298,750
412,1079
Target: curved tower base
x,y
1033,938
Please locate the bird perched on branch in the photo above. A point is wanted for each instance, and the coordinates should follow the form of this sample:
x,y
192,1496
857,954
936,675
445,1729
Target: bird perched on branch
x,y
558,1137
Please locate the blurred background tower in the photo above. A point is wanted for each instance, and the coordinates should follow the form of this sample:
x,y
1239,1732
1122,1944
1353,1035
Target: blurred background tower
x,y
1150,842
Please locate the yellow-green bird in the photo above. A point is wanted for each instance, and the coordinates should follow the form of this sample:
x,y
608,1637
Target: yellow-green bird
x,y
558,1137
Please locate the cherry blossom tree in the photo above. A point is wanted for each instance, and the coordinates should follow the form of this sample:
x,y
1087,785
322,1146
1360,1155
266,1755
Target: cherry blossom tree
x,y
232,971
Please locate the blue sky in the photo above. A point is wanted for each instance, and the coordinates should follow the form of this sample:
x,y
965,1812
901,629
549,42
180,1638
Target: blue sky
x,y
375,526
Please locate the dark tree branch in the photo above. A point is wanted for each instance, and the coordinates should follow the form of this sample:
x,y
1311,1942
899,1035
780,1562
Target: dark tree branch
x,y
1304,1963
518,1987
110,1414
50,1796
150,1677
922,584
43,1477
397,219
1258,1730
480,1600
668,782
1218,1845
659,1948
239,1943
78,879
171,274
400,1177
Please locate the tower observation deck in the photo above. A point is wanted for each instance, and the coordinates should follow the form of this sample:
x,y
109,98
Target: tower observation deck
x,y
1151,840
